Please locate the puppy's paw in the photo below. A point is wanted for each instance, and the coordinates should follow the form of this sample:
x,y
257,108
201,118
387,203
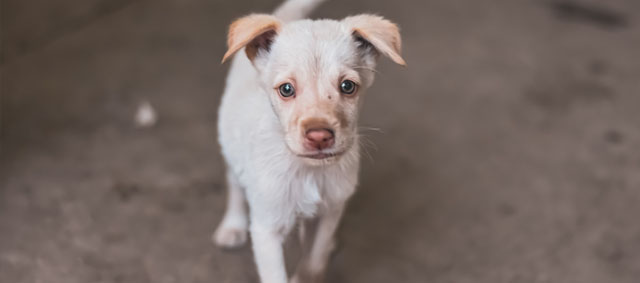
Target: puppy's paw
x,y
295,279
307,277
230,237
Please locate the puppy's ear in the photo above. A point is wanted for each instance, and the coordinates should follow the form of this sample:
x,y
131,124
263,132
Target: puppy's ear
x,y
254,32
379,32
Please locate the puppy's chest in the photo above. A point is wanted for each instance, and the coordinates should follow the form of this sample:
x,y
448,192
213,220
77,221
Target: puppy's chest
x,y
307,194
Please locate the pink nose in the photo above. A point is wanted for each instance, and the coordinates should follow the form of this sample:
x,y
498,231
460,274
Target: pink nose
x,y
319,139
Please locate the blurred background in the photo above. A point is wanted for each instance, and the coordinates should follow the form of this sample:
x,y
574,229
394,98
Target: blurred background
x,y
508,149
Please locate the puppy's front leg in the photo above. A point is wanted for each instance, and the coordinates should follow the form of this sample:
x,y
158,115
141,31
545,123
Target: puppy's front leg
x,y
267,241
313,266
232,231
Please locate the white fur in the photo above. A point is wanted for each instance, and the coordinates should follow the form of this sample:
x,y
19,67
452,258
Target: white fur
x,y
260,134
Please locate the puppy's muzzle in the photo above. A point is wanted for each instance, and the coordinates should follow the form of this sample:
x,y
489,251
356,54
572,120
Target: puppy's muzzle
x,y
319,138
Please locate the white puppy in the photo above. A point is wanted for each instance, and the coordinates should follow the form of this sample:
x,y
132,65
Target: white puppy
x,y
288,127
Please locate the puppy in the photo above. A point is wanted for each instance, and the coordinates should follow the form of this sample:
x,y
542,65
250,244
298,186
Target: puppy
x,y
288,128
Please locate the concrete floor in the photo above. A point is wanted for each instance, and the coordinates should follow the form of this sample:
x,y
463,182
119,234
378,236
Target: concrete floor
x,y
509,148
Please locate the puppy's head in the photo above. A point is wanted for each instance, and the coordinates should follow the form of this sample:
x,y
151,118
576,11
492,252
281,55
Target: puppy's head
x,y
315,73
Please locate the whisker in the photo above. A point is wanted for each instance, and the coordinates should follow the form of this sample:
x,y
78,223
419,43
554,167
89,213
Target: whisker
x,y
371,129
368,154
367,68
368,142
366,146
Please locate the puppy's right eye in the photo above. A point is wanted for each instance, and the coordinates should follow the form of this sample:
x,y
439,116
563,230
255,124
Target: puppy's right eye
x,y
286,90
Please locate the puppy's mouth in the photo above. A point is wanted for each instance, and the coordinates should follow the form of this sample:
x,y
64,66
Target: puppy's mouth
x,y
321,155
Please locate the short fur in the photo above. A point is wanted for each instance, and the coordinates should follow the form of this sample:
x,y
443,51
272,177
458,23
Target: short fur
x,y
262,134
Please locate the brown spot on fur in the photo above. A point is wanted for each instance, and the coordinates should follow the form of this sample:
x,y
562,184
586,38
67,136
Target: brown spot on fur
x,y
342,118
315,123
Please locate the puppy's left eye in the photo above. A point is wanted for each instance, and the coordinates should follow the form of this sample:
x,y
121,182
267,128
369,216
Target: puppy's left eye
x,y
348,87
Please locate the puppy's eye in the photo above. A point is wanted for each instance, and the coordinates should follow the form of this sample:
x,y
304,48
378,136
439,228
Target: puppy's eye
x,y
348,87
286,90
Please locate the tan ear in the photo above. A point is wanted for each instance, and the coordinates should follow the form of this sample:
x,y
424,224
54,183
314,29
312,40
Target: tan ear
x,y
253,32
381,33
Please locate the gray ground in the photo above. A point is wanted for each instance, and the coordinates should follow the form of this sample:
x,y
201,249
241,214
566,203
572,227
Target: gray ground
x,y
509,148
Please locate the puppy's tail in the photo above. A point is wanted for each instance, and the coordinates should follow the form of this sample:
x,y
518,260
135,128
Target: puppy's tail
x,y
292,10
